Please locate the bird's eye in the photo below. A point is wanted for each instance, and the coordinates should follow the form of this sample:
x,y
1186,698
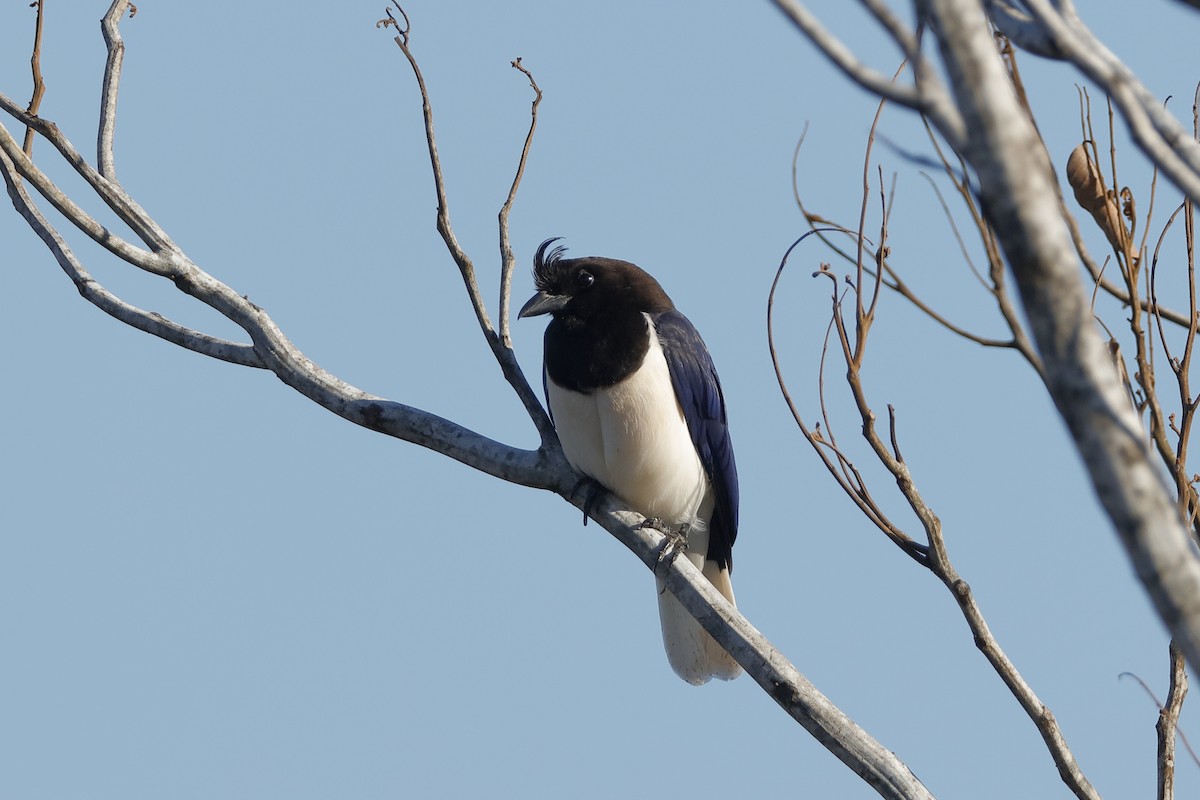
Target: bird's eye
x,y
585,279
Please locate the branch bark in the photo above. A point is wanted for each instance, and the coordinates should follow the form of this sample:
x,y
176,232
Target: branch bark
x,y
1017,188
270,348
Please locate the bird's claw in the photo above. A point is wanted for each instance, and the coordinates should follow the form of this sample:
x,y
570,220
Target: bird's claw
x,y
674,542
592,489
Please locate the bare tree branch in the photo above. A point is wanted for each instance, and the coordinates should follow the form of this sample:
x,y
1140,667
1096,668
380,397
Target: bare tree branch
x,y
106,301
1159,134
35,63
1168,724
270,348
1017,188
500,349
928,96
110,26
507,260
782,682
1022,30
154,263
934,556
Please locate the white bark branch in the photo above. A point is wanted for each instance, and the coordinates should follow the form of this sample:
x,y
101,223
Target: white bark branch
x,y
770,669
543,468
153,263
115,197
1056,31
927,97
1019,194
1022,30
109,303
843,57
110,26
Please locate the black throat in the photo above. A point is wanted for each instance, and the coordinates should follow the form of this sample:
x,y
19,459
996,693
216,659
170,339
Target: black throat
x,y
601,351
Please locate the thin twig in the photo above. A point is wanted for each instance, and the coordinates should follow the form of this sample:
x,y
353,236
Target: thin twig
x,y
892,279
506,253
1180,688
110,27
935,556
892,433
856,493
39,85
502,353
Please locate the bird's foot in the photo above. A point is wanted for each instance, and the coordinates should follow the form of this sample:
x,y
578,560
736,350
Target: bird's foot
x,y
591,489
674,542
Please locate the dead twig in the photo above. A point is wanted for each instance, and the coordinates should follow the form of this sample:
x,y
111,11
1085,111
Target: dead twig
x,y
39,85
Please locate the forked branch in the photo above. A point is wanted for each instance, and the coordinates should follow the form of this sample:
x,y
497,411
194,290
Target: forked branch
x,y
269,348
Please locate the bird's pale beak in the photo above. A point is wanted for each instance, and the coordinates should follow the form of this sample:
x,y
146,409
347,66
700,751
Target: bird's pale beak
x,y
543,303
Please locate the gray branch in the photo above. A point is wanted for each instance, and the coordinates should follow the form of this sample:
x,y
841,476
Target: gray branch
x,y
270,348
927,97
110,26
1054,30
1019,193
1023,30
769,668
109,303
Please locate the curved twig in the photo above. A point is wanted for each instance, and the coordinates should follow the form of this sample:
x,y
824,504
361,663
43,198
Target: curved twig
x,y
856,490
506,254
35,65
110,27
503,353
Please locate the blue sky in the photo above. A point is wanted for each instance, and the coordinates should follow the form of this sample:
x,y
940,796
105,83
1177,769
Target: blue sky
x,y
210,587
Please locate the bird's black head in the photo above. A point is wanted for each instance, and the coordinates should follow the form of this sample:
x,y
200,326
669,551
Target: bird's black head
x,y
590,287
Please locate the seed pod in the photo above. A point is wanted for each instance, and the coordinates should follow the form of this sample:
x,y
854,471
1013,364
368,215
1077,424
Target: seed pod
x,y
1104,207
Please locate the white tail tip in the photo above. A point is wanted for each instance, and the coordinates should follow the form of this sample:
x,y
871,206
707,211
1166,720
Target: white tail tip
x,y
694,655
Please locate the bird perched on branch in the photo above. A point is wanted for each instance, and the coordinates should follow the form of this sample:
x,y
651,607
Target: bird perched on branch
x,y
637,405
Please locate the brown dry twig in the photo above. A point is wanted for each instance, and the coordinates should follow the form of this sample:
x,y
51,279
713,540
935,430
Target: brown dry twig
x,y
507,261
35,63
851,331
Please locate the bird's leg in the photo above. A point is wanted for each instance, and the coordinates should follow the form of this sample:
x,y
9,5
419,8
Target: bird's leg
x,y
592,489
674,542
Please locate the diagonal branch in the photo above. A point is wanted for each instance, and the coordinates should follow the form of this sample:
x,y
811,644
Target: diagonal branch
x,y
927,97
106,301
1019,193
1159,134
108,190
778,677
153,263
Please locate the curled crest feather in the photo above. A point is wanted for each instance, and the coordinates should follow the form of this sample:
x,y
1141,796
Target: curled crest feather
x,y
545,264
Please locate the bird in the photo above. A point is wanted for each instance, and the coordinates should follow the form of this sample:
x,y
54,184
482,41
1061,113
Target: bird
x,y
638,408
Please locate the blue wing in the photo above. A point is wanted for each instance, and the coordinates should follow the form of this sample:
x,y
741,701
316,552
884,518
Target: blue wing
x,y
699,393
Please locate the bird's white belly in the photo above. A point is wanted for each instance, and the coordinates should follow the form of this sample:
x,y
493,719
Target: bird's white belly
x,y
632,438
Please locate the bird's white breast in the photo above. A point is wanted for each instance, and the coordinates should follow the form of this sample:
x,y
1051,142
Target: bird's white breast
x,y
632,438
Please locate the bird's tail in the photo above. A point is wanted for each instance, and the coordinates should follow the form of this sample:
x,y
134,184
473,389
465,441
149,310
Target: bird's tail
x,y
694,654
